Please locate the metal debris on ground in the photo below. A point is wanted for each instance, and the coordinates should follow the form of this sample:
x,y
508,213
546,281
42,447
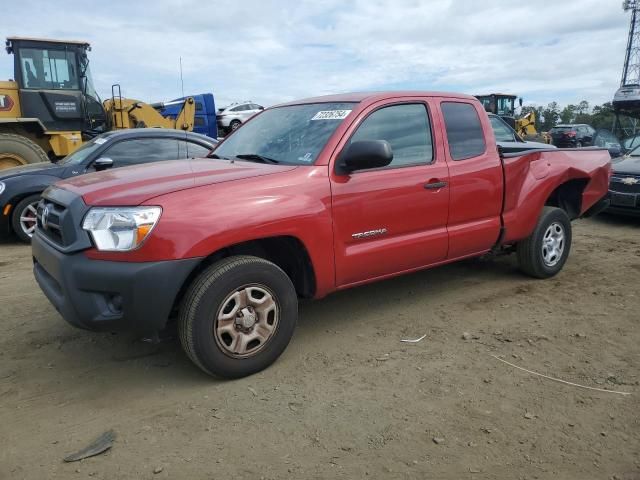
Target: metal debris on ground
x,y
414,340
100,445
559,380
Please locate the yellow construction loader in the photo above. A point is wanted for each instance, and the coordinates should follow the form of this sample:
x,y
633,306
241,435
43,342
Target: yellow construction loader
x,y
503,104
51,106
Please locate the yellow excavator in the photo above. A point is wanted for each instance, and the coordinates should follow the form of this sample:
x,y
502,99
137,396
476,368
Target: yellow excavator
x,y
51,107
503,104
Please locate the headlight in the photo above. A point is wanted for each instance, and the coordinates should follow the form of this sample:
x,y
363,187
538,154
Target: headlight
x,y
120,228
2,187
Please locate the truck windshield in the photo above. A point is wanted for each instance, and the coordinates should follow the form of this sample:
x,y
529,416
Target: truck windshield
x,y
292,135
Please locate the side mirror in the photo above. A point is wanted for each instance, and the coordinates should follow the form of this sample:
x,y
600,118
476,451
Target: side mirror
x,y
363,155
520,101
102,163
260,108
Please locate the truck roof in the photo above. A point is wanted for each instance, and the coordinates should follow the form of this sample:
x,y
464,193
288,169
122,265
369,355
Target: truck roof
x,y
371,97
45,40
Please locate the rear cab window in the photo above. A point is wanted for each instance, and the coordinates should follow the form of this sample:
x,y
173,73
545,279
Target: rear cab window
x,y
464,130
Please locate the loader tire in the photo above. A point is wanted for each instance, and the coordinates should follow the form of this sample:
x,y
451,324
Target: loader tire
x,y
16,150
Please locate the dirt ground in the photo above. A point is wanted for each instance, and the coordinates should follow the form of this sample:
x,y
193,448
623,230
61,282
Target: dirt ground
x,y
348,399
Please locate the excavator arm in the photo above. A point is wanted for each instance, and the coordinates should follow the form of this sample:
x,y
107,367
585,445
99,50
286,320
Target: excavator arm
x,y
128,113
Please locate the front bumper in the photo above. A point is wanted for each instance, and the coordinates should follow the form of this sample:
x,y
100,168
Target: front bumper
x,y
624,202
5,220
109,296
224,122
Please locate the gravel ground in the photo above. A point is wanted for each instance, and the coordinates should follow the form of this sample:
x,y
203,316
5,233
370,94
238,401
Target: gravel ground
x,y
348,399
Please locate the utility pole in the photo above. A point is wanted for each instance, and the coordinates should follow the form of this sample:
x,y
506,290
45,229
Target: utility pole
x,y
631,68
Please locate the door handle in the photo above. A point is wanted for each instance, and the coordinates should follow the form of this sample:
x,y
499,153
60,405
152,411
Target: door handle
x,y
435,185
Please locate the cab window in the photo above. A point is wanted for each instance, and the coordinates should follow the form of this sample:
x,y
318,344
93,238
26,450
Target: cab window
x,y
464,130
407,129
48,69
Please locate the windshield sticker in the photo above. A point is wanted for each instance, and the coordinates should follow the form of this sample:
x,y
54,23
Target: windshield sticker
x,y
100,141
331,115
308,158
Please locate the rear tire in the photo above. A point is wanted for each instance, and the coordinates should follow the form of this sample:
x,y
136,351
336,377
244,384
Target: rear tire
x,y
234,125
545,251
23,220
218,302
16,150
578,144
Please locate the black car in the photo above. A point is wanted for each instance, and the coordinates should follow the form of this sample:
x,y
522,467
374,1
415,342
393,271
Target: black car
x,y
572,136
624,189
20,187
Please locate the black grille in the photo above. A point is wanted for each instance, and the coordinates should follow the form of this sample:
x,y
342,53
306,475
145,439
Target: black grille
x,y
50,217
618,183
59,220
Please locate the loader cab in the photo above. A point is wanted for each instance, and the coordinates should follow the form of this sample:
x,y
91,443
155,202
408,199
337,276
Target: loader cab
x,y
55,85
500,104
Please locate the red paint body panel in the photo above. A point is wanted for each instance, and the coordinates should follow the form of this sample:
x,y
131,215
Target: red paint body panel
x,y
208,205
476,196
530,179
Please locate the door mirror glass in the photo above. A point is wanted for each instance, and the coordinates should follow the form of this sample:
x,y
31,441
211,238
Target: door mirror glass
x,y
364,154
102,164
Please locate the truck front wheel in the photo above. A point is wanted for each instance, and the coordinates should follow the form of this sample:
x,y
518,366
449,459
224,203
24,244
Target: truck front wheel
x,y
545,251
238,316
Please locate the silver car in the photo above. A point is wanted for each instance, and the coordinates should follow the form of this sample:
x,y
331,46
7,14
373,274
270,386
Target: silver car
x,y
231,117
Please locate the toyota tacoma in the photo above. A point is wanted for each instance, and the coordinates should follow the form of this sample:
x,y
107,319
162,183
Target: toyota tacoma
x,y
306,198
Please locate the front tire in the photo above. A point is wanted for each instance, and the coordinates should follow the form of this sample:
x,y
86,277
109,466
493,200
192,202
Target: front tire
x,y
234,125
23,220
545,251
238,316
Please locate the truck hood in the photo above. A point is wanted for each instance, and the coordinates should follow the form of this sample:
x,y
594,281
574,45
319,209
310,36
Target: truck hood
x,y
136,184
626,164
46,168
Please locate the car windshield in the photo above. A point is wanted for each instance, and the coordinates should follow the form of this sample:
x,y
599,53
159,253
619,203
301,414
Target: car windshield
x,y
501,130
292,135
561,129
635,152
83,152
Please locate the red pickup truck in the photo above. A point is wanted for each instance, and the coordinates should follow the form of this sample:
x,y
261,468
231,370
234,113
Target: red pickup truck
x,y
305,199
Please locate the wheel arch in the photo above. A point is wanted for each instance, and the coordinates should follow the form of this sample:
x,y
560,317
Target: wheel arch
x,y
568,197
286,251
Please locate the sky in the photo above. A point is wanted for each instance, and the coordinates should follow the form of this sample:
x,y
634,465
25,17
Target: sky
x,y
274,51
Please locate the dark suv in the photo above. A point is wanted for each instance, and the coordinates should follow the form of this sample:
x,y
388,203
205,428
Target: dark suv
x,y
572,136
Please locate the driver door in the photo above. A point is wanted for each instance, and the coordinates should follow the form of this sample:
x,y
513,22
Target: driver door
x,y
392,219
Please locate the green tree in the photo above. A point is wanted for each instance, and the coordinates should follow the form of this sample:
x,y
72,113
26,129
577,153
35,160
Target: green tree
x,y
568,113
551,116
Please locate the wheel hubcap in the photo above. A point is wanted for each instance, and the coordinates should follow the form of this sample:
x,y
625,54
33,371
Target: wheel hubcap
x,y
28,219
553,244
246,320
9,160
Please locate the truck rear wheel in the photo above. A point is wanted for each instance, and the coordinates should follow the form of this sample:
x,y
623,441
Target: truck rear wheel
x,y
16,150
238,316
545,251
